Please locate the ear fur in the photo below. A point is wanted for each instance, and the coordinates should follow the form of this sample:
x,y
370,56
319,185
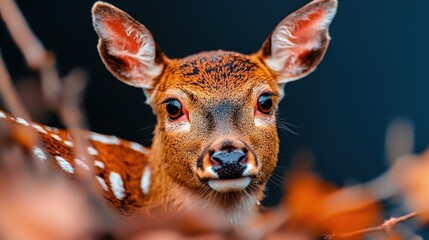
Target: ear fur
x,y
126,46
298,43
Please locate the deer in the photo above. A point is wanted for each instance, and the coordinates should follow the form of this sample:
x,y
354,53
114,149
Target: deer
x,y
215,142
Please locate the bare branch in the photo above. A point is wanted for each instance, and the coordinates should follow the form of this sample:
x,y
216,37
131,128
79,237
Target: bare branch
x,y
36,56
10,96
33,50
387,227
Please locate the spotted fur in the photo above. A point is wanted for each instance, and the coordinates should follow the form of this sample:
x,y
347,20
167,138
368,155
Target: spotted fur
x,y
126,159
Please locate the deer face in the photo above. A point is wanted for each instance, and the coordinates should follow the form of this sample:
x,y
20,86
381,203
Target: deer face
x,y
216,130
216,119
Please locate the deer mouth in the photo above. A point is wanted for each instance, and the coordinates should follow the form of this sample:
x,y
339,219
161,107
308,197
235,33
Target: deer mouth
x,y
229,185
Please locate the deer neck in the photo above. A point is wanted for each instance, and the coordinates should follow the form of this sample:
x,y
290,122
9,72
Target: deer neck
x,y
173,197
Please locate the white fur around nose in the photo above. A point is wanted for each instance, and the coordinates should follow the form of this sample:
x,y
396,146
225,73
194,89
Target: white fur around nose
x,y
248,170
229,185
210,171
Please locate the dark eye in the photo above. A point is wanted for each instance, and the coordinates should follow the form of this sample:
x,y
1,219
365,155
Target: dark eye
x,y
265,103
174,109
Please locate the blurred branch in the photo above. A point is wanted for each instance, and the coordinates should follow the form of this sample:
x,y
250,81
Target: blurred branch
x,y
72,116
12,101
387,227
65,98
30,46
36,56
399,139
10,96
72,95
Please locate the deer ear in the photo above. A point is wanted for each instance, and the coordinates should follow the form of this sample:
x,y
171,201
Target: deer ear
x,y
299,42
126,46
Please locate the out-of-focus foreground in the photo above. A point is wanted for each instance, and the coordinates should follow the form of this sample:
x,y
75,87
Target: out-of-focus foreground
x,y
37,202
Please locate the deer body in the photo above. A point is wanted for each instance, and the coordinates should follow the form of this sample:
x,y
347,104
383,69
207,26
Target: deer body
x,y
116,169
215,143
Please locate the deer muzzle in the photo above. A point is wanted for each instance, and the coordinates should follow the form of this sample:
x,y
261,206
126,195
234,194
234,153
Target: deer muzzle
x,y
227,165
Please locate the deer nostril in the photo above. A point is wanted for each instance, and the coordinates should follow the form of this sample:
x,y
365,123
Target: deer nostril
x,y
228,157
229,164
215,162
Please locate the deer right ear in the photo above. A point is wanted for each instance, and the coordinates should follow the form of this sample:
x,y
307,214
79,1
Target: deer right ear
x,y
299,42
126,46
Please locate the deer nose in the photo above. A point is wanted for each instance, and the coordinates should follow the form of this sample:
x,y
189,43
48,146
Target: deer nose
x,y
230,163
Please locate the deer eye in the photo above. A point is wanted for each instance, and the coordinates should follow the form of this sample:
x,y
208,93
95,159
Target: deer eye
x,y
265,103
174,109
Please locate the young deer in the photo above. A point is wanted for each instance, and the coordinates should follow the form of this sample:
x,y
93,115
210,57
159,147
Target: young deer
x,y
215,143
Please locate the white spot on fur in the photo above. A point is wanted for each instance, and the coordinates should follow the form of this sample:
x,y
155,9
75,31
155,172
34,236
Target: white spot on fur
x,y
56,137
39,154
22,121
178,126
92,151
137,147
102,183
145,181
54,129
68,143
66,166
2,115
99,164
38,128
111,140
81,164
117,185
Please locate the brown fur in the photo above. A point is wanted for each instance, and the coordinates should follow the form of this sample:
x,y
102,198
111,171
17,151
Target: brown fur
x,y
218,92
119,158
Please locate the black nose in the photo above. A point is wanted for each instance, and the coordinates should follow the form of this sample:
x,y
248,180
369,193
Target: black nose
x,y
229,164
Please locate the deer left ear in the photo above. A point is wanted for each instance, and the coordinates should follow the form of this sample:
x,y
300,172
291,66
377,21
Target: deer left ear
x,y
126,47
299,42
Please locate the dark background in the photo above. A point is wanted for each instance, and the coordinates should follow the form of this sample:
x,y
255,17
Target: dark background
x,y
374,71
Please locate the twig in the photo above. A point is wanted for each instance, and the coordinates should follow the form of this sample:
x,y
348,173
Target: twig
x,y
36,56
64,100
387,227
21,33
10,96
71,115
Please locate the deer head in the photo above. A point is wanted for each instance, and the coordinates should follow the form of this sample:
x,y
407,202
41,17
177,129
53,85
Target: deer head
x,y
215,140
